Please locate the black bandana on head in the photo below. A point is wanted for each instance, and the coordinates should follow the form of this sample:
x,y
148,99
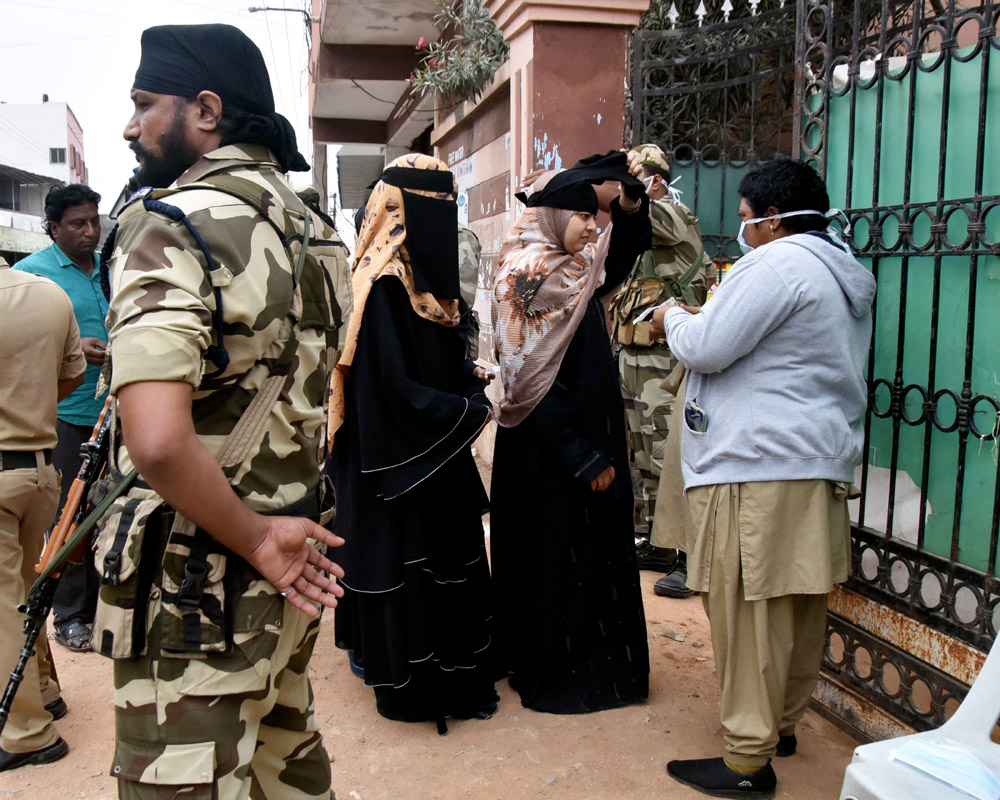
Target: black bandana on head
x,y
572,189
570,193
184,60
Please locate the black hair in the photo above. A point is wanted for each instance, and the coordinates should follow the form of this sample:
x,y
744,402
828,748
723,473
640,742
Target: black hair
x,y
788,185
654,170
61,198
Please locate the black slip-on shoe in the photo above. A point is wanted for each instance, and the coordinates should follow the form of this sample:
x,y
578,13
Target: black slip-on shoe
x,y
657,559
57,708
46,755
786,746
673,584
712,776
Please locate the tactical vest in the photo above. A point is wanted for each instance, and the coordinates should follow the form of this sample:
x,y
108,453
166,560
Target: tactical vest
x,y
659,273
198,589
644,288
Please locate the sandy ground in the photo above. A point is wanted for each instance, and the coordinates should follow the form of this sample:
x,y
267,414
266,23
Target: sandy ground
x,y
517,754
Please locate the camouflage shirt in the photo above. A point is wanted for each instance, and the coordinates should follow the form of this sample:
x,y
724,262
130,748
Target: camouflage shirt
x,y
160,321
677,245
676,241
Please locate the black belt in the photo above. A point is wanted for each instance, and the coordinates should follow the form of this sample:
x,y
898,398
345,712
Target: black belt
x,y
22,459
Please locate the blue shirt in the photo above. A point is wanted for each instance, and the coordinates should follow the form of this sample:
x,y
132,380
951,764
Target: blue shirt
x,y
90,309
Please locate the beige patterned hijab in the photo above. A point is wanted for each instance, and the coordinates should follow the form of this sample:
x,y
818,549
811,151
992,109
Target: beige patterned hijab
x,y
381,251
540,296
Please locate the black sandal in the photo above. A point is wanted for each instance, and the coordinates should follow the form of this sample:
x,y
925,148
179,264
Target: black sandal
x,y
73,635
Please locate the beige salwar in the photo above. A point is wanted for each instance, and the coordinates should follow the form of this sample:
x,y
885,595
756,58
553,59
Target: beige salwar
x,y
764,556
767,648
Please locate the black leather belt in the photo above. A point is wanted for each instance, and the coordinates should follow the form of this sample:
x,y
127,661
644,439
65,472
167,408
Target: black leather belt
x,y
22,459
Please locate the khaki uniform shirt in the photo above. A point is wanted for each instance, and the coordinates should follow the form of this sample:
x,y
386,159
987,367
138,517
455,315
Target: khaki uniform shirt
x,y
795,536
39,346
160,322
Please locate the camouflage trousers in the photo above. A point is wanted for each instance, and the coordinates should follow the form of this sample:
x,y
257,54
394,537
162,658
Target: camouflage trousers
x,y
647,411
232,726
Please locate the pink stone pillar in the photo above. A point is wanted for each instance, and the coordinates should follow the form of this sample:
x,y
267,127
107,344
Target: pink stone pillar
x,y
568,71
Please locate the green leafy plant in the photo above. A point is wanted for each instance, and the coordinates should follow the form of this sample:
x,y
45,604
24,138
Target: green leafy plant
x,y
471,49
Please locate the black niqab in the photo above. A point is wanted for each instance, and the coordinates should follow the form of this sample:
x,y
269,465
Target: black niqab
x,y
431,230
184,60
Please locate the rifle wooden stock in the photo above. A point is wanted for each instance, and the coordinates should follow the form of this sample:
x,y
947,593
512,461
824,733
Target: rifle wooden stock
x,y
64,529
92,467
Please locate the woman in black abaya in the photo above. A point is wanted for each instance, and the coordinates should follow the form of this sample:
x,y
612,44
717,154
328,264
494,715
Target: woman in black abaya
x,y
405,408
571,624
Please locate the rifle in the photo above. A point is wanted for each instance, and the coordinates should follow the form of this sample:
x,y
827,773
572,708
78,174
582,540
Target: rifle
x,y
67,542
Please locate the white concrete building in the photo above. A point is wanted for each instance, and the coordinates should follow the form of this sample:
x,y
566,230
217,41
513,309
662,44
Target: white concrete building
x,y
43,138
22,211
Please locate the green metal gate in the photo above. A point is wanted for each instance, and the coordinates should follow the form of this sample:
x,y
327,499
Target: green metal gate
x,y
896,104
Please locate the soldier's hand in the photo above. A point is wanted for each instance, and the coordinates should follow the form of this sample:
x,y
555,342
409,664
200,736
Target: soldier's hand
x,y
634,167
603,481
94,350
295,568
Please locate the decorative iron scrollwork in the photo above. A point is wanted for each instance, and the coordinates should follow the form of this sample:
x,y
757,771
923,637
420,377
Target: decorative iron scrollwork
x,y
919,695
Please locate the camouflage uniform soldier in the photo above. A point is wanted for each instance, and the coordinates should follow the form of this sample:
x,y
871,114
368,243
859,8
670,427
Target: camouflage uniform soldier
x,y
676,266
220,337
342,278
469,251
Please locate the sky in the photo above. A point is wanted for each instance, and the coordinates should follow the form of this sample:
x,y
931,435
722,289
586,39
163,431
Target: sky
x,y
86,54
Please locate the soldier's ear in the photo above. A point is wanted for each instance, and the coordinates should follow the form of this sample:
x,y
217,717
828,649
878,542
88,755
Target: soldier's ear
x,y
209,111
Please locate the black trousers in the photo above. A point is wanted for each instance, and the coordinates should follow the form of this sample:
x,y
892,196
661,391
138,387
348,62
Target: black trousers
x,y
76,595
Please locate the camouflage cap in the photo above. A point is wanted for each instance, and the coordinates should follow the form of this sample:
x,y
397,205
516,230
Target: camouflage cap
x,y
651,155
308,195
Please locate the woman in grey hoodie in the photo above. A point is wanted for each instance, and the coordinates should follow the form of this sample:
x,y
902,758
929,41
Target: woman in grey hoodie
x,y
772,431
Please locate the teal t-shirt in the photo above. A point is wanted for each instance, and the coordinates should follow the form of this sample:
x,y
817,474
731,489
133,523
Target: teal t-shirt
x,y
90,308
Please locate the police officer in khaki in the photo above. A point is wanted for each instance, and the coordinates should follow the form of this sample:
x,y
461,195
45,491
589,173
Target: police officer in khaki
x,y
221,327
677,267
41,362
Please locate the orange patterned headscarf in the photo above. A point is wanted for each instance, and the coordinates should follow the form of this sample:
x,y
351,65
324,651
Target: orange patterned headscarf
x,y
380,252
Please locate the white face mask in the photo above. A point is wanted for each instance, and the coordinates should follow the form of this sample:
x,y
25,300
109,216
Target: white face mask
x,y
673,191
833,212
952,762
